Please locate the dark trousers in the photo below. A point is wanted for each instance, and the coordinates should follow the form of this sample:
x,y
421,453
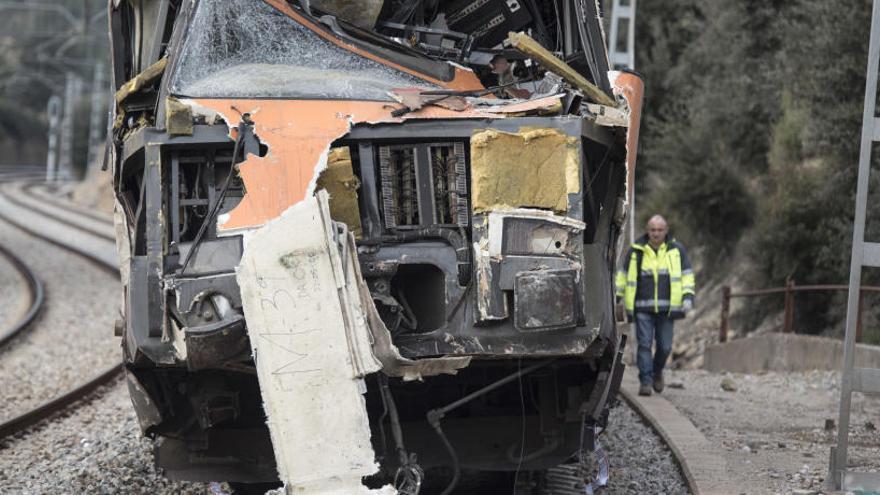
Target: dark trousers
x,y
652,327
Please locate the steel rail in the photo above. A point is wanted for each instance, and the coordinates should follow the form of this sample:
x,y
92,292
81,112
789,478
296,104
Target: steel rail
x,y
61,402
36,294
48,409
47,213
15,176
96,216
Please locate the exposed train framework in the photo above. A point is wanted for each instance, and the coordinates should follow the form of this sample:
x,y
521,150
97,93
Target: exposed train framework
x,y
472,238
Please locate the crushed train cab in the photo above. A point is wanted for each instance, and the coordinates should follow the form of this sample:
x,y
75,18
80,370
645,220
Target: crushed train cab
x,y
335,215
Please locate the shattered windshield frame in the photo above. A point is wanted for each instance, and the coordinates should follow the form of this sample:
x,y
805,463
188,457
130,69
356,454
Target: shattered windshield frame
x,y
250,49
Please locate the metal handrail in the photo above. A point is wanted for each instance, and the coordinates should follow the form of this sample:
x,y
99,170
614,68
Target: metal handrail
x,y
789,291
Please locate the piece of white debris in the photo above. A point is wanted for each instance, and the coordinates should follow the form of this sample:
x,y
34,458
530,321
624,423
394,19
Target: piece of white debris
x,y
312,349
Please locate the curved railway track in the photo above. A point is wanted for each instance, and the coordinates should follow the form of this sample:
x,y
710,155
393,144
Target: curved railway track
x,y
61,213
702,465
61,402
40,190
36,296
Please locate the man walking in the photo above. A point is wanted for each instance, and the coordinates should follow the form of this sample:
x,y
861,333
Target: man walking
x,y
656,284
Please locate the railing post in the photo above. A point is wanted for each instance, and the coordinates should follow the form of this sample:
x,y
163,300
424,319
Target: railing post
x,y
788,322
725,314
859,318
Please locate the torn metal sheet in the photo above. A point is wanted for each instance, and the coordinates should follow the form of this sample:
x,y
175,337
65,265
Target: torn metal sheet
x,y
308,342
632,89
491,305
393,364
298,134
544,242
414,99
609,116
540,106
535,168
341,184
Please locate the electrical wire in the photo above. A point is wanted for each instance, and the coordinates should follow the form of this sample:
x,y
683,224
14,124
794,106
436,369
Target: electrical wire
x,y
220,197
456,466
558,28
140,207
522,442
383,416
600,167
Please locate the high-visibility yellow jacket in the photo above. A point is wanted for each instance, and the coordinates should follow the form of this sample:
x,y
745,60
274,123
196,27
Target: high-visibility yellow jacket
x,y
655,281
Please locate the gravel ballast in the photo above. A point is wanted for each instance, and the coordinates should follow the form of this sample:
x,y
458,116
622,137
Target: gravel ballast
x,y
13,295
72,337
96,449
640,462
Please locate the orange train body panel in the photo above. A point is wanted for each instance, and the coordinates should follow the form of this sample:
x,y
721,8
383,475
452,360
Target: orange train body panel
x,y
632,88
298,133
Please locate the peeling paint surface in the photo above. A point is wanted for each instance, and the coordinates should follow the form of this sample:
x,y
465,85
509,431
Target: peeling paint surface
x,y
308,343
299,134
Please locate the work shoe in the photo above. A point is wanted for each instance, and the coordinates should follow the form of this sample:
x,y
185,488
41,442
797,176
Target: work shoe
x,y
644,389
658,383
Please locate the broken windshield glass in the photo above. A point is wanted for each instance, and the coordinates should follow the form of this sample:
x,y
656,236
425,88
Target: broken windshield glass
x,y
248,49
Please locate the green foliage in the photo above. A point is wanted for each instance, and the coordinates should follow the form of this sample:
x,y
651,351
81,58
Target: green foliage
x,y
787,135
709,108
18,122
806,226
751,136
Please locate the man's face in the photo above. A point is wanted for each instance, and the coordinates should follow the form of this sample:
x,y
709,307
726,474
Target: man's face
x,y
657,230
500,65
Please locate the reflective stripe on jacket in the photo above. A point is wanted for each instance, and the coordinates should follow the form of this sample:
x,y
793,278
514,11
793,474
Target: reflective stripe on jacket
x,y
655,281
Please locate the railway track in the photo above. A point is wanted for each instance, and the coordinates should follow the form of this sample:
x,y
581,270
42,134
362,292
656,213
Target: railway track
x,y
37,198
12,172
84,389
41,191
26,198
36,296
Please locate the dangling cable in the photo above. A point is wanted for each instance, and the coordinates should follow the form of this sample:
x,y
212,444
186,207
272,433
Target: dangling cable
x,y
408,478
243,127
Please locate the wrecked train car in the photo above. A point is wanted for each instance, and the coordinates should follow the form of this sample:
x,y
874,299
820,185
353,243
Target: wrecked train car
x,y
333,215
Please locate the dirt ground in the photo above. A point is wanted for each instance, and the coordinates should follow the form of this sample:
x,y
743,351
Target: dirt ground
x,y
95,191
772,428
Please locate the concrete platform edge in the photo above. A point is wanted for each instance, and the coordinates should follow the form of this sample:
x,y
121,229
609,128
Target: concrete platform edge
x,y
705,474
